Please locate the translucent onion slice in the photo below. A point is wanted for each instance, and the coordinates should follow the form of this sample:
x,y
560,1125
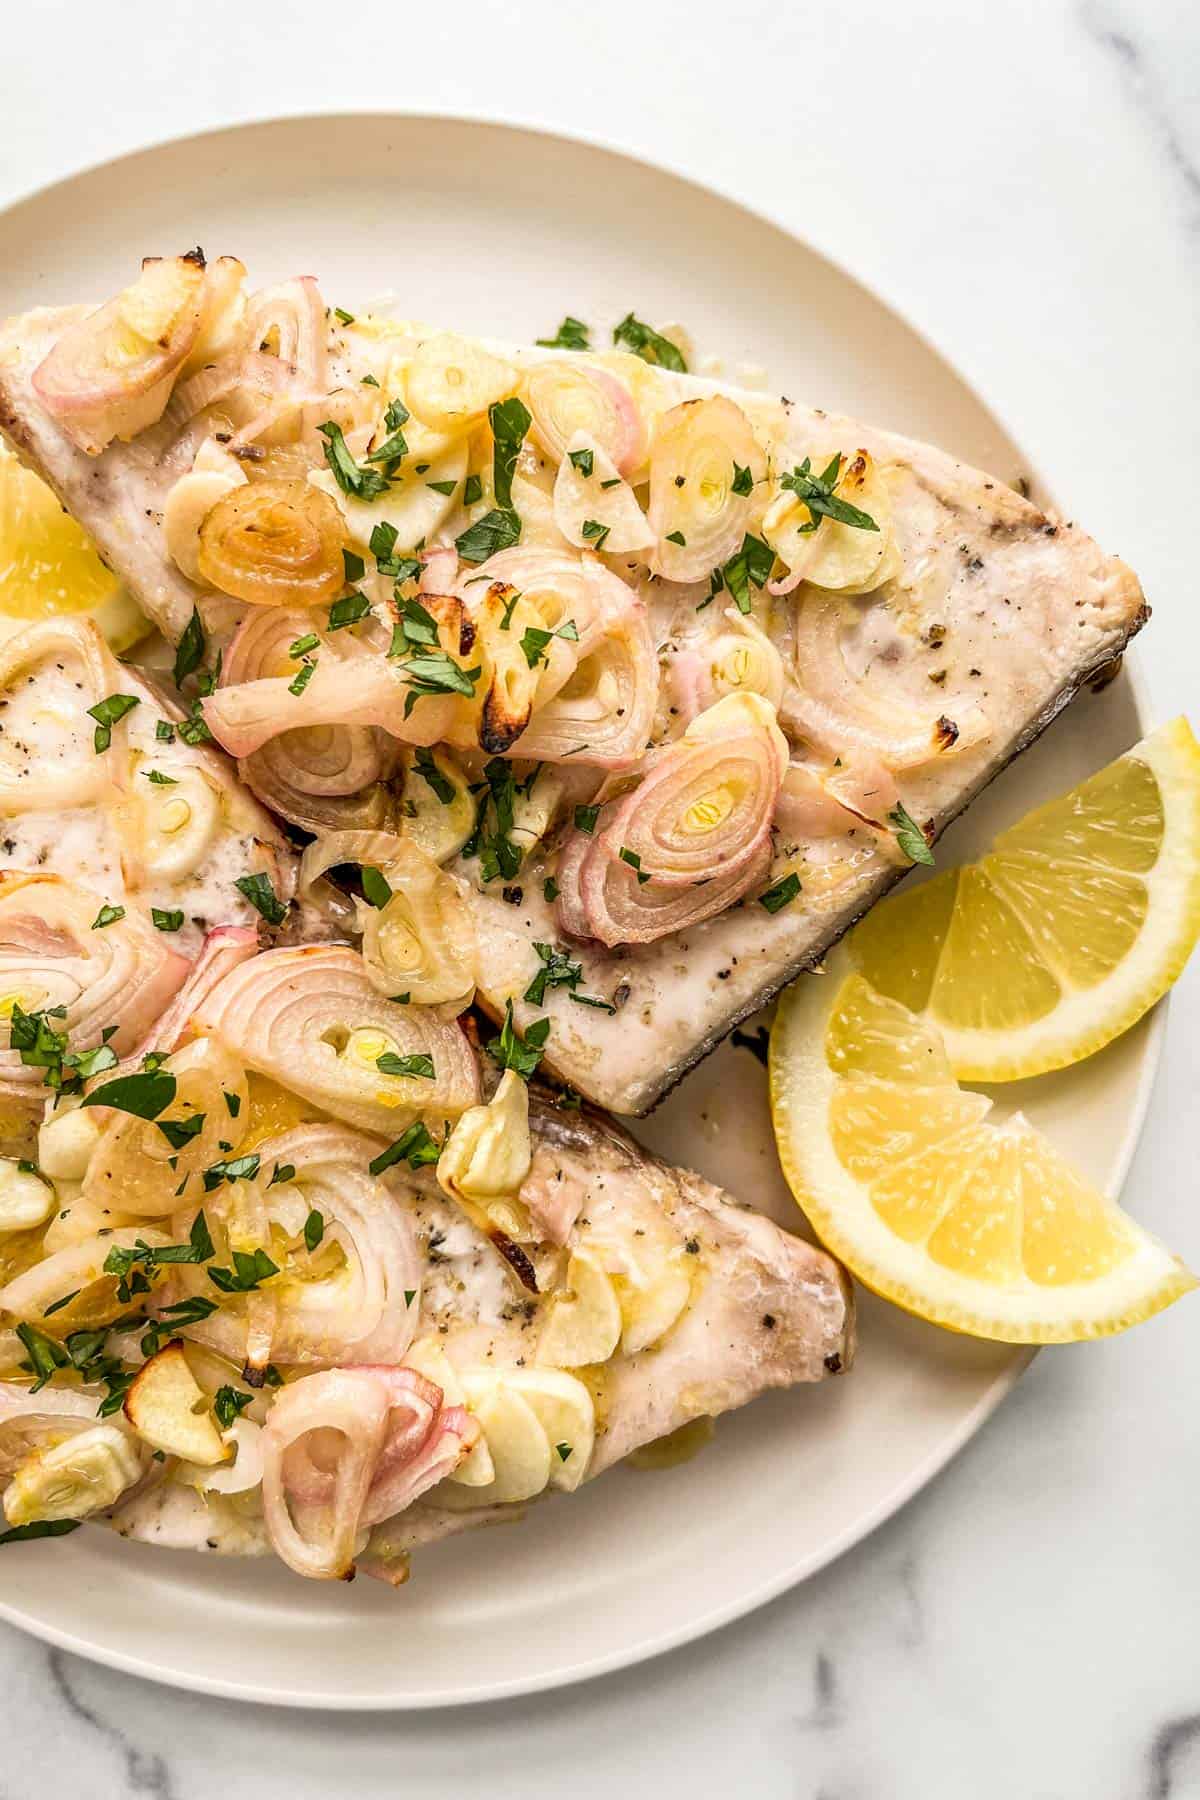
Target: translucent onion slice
x,y
326,1433
835,705
743,660
166,832
570,398
707,803
187,506
67,772
847,558
422,943
593,507
438,808
350,684
374,849
289,322
71,1271
222,331
110,374
603,715
27,1420
224,948
312,1019
276,774
123,976
274,543
137,1169
696,514
618,909
350,1447
357,1300
451,382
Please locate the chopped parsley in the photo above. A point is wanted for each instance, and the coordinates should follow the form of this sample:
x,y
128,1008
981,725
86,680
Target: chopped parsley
x,y
229,1403
817,493
677,537
302,645
535,640
145,1094
167,918
572,334
257,889
180,1132
751,564
107,713
592,1000
164,732
910,837
595,533
88,1063
348,610
302,677
500,528
425,766
557,970
472,490
550,890
39,1528
360,483
394,446
236,1168
743,480
782,894
635,863
282,1172
650,345
391,1064
108,915
189,652
314,1230
585,818
250,1269
584,461
377,890
414,1146
442,487
159,779
354,566
511,1051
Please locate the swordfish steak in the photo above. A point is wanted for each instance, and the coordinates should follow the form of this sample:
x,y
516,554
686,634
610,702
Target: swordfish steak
x,y
891,626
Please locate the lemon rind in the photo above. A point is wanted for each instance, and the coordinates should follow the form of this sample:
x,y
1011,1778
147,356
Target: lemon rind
x,y
1089,1019
840,1212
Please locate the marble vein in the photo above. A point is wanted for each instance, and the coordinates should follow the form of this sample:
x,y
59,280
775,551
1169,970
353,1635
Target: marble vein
x,y
145,1773
1172,1743
1148,95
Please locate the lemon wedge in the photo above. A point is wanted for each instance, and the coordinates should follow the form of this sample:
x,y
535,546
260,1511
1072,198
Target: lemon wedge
x,y
1077,920
48,566
980,1227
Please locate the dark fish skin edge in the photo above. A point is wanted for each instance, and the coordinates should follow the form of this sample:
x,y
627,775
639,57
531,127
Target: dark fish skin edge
x,y
1086,676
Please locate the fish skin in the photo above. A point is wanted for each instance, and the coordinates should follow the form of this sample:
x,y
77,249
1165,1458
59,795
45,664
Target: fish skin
x,y
721,1354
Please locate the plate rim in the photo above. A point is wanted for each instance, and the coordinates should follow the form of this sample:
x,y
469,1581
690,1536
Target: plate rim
x,y
726,1613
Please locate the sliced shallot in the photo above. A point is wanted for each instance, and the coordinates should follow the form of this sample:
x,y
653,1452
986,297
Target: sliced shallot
x,y
311,1018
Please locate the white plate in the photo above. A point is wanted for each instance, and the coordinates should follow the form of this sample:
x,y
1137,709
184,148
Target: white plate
x,y
503,231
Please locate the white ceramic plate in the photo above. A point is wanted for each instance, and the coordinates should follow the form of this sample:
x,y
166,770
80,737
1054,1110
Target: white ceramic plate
x,y
503,231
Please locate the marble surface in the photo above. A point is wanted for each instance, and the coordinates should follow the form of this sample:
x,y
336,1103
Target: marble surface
x,y
1024,182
